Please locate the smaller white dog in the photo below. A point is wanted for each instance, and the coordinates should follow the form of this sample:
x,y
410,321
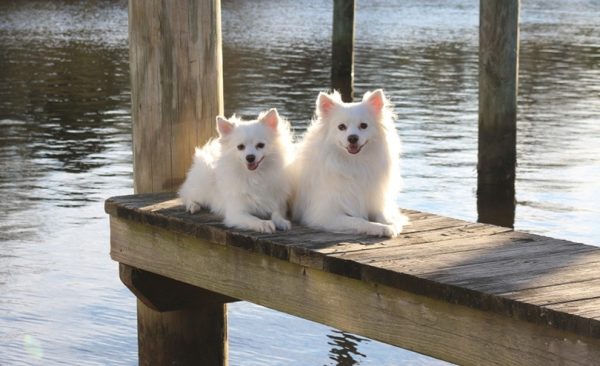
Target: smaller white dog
x,y
242,174
346,172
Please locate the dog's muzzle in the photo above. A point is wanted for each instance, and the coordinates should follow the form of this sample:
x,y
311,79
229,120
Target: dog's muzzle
x,y
354,148
252,165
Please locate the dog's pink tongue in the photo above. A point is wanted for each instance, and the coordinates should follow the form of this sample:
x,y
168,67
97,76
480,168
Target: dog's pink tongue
x,y
353,148
252,166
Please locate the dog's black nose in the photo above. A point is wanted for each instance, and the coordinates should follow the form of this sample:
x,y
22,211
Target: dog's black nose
x,y
250,158
353,139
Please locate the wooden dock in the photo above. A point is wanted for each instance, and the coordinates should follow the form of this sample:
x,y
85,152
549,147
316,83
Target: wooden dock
x,y
468,293
472,294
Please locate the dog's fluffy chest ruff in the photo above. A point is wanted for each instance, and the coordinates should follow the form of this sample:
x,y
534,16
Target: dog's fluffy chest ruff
x,y
361,180
259,192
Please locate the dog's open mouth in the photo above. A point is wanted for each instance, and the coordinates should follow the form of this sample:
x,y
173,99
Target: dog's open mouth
x,y
253,165
354,148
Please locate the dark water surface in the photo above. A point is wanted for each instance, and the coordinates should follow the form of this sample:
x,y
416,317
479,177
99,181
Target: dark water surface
x,y
65,146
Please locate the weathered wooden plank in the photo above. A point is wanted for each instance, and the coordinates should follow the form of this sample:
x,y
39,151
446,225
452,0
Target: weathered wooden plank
x,y
327,243
588,308
530,278
424,259
411,273
169,204
444,330
344,257
474,272
450,245
440,231
555,294
428,260
423,227
284,245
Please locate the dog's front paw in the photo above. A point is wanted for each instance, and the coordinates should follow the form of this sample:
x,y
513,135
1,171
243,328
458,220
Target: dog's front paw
x,y
384,230
193,207
391,231
397,221
264,226
282,224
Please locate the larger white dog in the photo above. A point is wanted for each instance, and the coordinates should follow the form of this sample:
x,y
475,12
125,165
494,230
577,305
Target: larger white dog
x,y
346,173
242,175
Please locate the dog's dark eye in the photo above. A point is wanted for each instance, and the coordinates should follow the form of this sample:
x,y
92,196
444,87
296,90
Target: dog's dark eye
x,y
342,127
260,145
363,126
241,147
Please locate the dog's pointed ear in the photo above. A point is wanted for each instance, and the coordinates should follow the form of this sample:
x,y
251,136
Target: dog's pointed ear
x,y
224,127
271,118
325,103
375,99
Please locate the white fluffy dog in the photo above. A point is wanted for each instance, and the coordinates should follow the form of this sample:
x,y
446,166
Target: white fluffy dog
x,y
346,173
242,174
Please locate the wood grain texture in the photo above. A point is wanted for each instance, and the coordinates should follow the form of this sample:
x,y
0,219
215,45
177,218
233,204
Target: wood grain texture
x,y
429,325
588,308
177,88
531,275
485,267
191,336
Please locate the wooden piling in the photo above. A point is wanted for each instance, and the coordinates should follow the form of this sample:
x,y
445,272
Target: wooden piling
x,y
177,90
176,86
498,82
342,51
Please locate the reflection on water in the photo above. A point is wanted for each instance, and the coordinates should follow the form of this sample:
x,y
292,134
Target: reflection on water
x,y
496,204
344,351
65,146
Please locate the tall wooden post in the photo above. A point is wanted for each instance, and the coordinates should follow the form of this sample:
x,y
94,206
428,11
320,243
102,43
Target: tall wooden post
x,y
177,86
498,81
342,52
177,90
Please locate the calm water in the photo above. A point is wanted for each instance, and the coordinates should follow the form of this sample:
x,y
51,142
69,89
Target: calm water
x,y
65,146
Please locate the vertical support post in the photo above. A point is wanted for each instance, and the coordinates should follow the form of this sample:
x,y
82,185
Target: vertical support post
x,y
498,83
176,92
342,52
176,86
190,336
